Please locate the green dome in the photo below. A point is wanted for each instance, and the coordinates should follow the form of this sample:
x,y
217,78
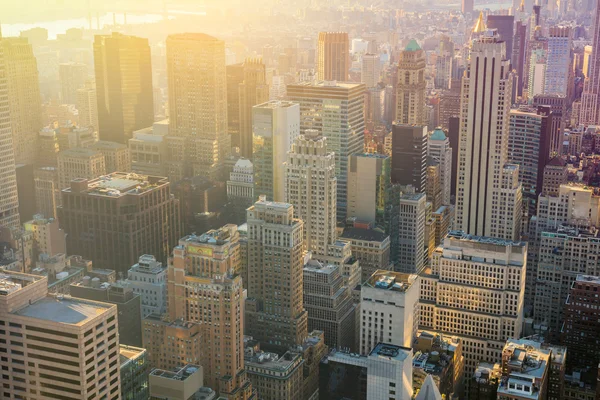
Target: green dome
x,y
438,134
413,46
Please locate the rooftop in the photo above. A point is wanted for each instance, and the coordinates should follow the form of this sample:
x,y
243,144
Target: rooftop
x,y
128,353
11,282
412,46
390,280
438,134
371,235
217,237
460,235
328,84
272,104
319,268
105,144
270,361
64,310
589,279
180,375
79,152
118,184
390,351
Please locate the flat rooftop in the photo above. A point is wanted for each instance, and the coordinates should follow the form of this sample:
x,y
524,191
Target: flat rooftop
x,y
328,84
273,104
66,310
370,235
460,235
128,353
11,282
390,280
118,184
319,268
588,279
390,351
180,375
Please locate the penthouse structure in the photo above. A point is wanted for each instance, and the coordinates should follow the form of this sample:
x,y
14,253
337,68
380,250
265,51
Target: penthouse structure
x,y
276,377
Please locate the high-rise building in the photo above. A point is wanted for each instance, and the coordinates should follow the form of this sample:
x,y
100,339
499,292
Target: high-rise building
x,y
235,76
444,63
73,77
253,90
333,56
24,99
557,78
590,99
536,76
240,188
519,53
48,238
410,88
504,24
204,287
311,186
388,306
197,104
79,163
87,105
555,174
47,191
276,377
371,247
134,370
148,279
9,202
337,111
438,147
467,7
474,290
433,187
275,126
409,155
148,150
369,188
411,253
558,106
370,70
275,314
117,157
57,332
488,199
123,85
130,215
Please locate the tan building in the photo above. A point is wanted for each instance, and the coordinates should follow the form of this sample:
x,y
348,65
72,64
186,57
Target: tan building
x,y
443,222
178,384
333,56
72,344
433,188
274,377
148,149
47,191
312,351
410,88
48,238
253,90
116,156
73,77
24,99
275,314
555,174
87,105
371,247
79,163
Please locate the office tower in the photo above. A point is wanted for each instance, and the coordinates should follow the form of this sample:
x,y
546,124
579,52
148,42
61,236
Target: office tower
x,y
197,104
371,247
24,101
275,126
581,324
47,191
448,107
253,90
48,238
490,274
235,76
410,88
148,150
443,64
538,63
529,147
116,156
370,70
433,187
275,314
411,233
311,186
182,382
467,7
57,333
87,105
388,304
558,106
438,147
555,174
337,111
276,377
79,163
73,77
204,288
559,61
489,194
590,102
148,279
409,155
333,58
128,305
519,53
134,370
123,86
130,215
504,24
361,377
25,191
329,304
369,187
240,188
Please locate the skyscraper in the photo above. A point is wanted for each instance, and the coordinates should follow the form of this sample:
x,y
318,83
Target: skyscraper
x,y
438,147
337,111
411,253
197,104
410,89
311,186
24,99
409,155
73,76
253,90
370,69
9,202
519,53
275,126
87,105
275,312
467,7
558,61
489,194
123,85
504,24
590,100
333,56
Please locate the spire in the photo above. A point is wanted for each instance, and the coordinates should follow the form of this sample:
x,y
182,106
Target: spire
x,y
522,6
480,25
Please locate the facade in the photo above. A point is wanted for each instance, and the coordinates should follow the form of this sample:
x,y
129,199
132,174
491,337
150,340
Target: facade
x,y
371,247
116,156
73,76
275,377
555,174
409,155
235,76
47,191
558,105
24,98
388,307
504,24
48,238
488,191
79,163
57,332
240,187
489,273
558,62
87,106
148,150
337,111
116,227
329,304
275,126
433,188
370,70
197,105
368,188
412,249
333,58
438,148
253,90
275,314
181,383
410,88
148,279
134,373
590,106
123,85
311,186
